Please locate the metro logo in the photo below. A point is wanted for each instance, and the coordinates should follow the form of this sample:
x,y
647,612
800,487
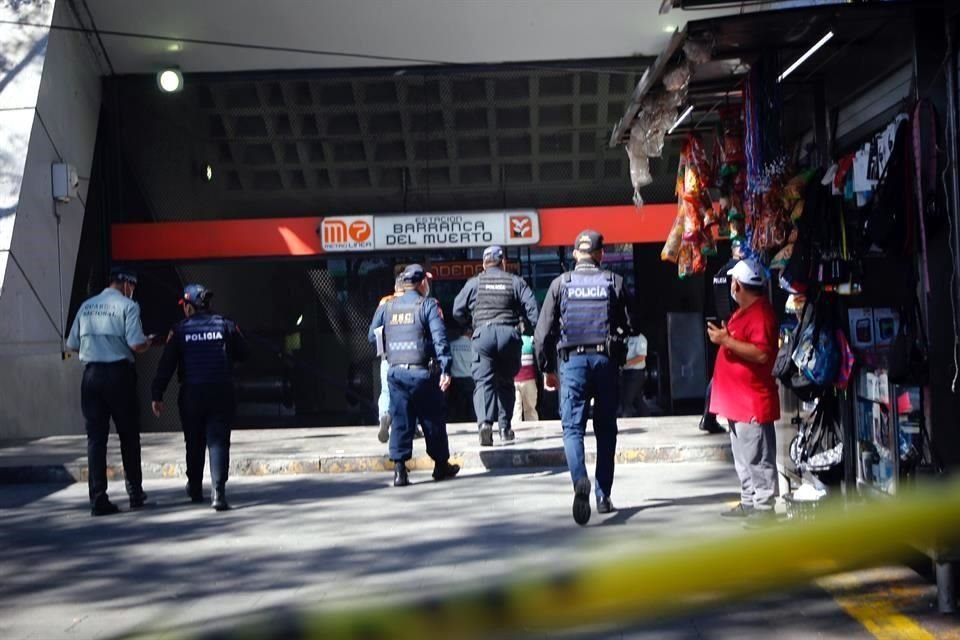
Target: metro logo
x,y
360,230
347,233
521,227
334,232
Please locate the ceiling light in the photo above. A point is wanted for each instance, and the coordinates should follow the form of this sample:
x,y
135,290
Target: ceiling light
x,y
174,47
812,50
300,320
207,172
682,117
170,80
670,28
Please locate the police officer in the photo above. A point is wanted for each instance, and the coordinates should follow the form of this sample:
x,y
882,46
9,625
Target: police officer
x,y
106,333
583,324
202,348
493,303
419,374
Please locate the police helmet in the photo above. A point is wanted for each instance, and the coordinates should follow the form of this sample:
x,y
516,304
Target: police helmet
x,y
197,295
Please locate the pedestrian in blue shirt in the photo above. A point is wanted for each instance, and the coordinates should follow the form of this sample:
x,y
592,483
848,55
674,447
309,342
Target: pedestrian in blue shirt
x,y
106,333
202,348
419,357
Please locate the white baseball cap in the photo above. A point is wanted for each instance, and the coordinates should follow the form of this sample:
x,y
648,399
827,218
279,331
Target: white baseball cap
x,y
748,272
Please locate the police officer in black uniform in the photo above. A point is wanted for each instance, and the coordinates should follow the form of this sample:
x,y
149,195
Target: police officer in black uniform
x,y
493,303
419,357
202,348
583,325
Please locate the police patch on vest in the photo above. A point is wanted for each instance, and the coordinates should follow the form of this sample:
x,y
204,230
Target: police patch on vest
x,y
401,318
495,287
204,336
588,293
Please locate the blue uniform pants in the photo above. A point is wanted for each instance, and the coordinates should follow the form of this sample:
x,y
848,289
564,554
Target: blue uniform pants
x,y
109,390
415,396
206,411
496,361
584,377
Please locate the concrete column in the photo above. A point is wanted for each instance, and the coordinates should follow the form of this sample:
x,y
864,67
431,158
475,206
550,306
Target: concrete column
x,y
49,105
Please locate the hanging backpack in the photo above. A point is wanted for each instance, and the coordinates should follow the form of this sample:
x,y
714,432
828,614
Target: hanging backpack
x,y
908,354
816,354
818,446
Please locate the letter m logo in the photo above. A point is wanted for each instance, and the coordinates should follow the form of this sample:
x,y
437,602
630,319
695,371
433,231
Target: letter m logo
x,y
334,232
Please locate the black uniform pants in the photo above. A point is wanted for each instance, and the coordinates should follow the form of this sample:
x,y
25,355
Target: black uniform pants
x,y
109,390
496,361
206,412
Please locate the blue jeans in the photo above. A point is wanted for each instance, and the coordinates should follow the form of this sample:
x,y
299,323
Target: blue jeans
x,y
582,377
415,396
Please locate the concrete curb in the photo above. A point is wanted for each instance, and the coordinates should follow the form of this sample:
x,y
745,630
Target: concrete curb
x,y
503,457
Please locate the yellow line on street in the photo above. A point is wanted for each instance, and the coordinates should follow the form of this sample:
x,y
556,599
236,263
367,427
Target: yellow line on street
x,y
871,598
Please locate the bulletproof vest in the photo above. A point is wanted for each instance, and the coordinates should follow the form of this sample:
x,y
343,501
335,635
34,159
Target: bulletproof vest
x,y
585,308
405,334
496,302
722,301
203,343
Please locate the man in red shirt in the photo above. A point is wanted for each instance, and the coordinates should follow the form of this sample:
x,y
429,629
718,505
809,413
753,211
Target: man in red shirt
x,y
744,390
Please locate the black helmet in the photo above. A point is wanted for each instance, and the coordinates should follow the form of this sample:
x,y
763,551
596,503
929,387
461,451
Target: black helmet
x,y
197,295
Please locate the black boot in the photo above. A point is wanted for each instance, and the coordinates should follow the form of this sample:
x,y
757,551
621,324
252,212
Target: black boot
x,y
486,434
507,435
444,470
138,499
400,478
103,507
195,493
219,501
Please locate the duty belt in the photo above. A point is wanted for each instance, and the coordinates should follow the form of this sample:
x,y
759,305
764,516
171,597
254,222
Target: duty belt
x,y
583,349
411,366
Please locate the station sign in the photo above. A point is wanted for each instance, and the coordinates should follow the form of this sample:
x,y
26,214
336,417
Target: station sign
x,y
448,230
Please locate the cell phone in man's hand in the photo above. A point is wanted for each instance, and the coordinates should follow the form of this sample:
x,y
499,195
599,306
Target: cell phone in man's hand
x,y
714,320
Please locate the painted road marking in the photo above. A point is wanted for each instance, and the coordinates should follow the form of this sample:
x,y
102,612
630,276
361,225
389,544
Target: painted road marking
x,y
876,599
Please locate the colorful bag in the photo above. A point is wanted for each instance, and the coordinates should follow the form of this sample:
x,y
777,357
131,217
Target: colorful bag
x,y
816,354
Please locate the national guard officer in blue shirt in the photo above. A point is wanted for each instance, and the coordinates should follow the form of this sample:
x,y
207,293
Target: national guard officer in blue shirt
x,y
106,333
493,303
419,357
202,348
583,325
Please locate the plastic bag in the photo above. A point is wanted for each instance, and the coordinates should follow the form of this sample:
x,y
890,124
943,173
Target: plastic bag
x,y
698,51
671,248
677,79
639,168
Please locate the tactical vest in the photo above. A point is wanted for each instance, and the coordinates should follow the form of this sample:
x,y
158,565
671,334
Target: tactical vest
x,y
404,333
496,302
585,300
203,342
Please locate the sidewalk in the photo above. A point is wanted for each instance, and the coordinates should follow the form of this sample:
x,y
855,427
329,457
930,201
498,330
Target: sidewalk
x,y
264,452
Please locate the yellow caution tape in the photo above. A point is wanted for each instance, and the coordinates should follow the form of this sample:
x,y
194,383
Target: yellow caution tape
x,y
676,578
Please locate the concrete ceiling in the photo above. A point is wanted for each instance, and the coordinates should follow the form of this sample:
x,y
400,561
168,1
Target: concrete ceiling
x,y
401,31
